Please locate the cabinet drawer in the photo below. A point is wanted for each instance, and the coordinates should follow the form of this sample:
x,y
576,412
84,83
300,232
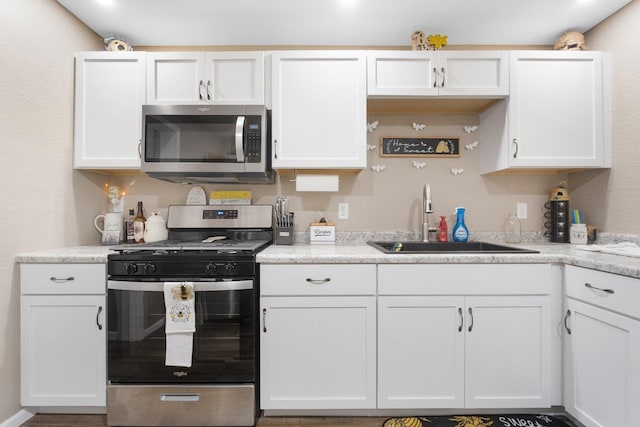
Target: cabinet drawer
x,y
466,279
62,279
318,279
606,290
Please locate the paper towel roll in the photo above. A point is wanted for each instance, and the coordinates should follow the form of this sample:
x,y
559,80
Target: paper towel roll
x,y
309,182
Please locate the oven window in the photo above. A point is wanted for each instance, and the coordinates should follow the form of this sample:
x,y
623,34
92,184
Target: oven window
x,y
183,138
224,344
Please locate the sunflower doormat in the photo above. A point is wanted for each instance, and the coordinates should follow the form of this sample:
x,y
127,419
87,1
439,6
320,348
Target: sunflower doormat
x,y
510,420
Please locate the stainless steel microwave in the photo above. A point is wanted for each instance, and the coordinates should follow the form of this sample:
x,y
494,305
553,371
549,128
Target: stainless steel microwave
x,y
207,143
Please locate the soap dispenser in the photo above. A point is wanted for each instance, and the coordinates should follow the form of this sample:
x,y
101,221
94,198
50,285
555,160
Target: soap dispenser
x,y
460,230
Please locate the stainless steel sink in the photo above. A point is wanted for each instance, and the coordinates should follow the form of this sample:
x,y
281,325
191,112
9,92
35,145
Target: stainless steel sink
x,y
416,247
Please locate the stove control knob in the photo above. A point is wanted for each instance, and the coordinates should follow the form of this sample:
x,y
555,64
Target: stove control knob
x,y
150,268
131,268
211,268
230,268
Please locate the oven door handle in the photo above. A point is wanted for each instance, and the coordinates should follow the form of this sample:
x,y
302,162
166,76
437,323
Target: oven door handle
x,y
240,139
230,285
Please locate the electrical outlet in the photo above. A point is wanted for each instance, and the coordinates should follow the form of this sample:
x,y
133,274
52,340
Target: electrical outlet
x,y
343,210
521,211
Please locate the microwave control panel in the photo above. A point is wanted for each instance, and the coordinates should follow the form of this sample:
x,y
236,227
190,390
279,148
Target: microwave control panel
x,y
253,131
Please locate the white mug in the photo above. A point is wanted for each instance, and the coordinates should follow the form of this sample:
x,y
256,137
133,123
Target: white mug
x,y
113,221
578,234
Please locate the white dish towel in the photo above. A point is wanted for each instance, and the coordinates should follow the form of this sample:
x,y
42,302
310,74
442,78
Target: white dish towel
x,y
179,298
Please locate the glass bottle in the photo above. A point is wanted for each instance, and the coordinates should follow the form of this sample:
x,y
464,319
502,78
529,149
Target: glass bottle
x,y
460,230
512,229
128,227
138,225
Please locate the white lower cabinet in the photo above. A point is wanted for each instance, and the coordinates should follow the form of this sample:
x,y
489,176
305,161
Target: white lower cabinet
x,y
602,348
473,336
318,335
63,335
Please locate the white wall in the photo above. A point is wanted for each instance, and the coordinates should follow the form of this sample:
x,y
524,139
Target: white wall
x,y
610,198
44,203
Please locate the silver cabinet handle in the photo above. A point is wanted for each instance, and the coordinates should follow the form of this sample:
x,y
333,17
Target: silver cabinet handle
x,y
209,91
435,77
275,148
98,318
515,153
140,149
443,76
264,320
62,279
318,281
590,286
200,85
461,319
471,315
566,317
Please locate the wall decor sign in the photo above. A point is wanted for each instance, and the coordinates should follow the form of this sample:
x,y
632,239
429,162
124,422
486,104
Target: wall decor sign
x,y
419,147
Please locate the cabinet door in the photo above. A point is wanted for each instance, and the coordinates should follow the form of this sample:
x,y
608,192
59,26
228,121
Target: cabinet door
x,y
557,110
420,352
473,73
235,78
508,357
401,73
110,91
175,78
318,353
63,347
319,109
602,366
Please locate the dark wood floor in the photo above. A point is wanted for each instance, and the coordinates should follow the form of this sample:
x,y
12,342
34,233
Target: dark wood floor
x,y
50,420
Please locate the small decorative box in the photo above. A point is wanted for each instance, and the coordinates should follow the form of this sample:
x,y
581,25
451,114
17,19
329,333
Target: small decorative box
x,y
322,232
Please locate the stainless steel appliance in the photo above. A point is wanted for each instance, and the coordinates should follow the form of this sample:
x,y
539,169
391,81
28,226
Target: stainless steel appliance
x,y
207,143
214,247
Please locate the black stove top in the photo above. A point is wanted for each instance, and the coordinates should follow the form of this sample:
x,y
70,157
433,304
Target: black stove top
x,y
201,245
219,245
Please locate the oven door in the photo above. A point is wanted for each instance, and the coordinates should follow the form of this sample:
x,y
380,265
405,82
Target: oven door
x,y
224,343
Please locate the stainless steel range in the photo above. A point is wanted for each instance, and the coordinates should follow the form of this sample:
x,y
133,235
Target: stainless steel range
x,y
211,249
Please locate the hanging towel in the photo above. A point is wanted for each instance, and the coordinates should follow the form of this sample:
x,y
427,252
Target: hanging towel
x,y
179,298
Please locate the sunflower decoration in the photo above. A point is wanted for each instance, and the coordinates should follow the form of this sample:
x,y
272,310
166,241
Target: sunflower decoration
x,y
437,41
472,421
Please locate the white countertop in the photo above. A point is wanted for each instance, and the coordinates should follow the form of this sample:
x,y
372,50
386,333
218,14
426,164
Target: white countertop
x,y
365,254
361,253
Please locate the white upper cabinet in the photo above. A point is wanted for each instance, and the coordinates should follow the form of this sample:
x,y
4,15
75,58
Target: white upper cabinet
x,y
319,109
110,91
438,73
205,78
558,114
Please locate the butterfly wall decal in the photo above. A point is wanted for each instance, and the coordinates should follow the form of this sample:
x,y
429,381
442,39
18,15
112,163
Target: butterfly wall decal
x,y
471,146
419,165
418,126
470,129
455,171
371,147
378,168
372,126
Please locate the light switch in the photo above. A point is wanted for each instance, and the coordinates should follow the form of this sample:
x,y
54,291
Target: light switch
x,y
343,210
521,211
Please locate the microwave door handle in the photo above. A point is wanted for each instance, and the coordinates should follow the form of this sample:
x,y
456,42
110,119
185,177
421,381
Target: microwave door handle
x,y
239,139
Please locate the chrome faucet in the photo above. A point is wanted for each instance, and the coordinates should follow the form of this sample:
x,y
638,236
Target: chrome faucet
x,y
426,210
